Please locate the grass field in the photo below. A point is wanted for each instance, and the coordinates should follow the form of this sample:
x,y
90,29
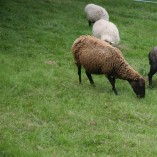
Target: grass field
x,y
44,112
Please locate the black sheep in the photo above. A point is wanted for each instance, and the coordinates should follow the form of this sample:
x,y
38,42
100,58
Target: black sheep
x,y
153,64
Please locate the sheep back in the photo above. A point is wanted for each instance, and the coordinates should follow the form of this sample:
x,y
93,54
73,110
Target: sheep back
x,y
153,56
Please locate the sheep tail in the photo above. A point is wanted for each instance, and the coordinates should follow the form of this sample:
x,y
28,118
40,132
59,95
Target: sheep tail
x,y
76,49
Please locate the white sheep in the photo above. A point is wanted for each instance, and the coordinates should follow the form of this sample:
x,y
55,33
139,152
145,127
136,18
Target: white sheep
x,y
95,12
107,31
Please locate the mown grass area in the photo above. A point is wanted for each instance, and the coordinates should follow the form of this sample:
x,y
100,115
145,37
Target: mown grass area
x,y
43,109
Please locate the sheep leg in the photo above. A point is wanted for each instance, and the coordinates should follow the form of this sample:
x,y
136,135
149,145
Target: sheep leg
x,y
112,81
152,71
79,73
90,23
90,79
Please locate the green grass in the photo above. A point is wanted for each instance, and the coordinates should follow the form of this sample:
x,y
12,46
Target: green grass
x,y
44,112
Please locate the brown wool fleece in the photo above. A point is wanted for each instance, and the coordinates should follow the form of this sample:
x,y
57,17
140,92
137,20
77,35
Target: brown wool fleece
x,y
99,57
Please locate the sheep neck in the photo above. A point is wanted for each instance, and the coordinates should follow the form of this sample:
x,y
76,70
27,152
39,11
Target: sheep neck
x,y
126,72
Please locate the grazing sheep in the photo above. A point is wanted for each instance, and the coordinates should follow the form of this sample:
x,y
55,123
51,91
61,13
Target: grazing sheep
x,y
95,12
153,64
107,31
99,57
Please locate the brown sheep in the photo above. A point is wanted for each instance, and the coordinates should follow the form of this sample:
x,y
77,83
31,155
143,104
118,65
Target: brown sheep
x,y
99,57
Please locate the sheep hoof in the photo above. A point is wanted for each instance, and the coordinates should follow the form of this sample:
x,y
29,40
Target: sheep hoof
x,y
150,86
115,92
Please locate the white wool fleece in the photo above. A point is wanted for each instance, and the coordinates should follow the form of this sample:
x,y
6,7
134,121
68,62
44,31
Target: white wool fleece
x,y
107,31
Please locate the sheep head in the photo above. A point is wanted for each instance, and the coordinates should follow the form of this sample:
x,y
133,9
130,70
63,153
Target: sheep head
x,y
138,86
